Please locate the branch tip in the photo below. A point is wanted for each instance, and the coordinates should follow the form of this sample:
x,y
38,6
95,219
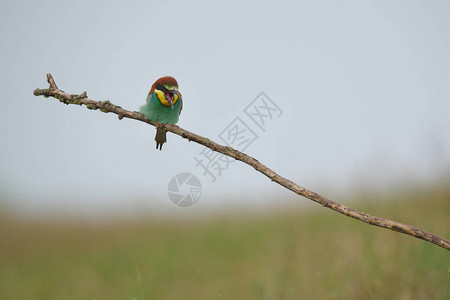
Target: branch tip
x,y
51,81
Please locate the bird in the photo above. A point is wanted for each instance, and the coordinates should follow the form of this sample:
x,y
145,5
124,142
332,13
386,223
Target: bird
x,y
164,104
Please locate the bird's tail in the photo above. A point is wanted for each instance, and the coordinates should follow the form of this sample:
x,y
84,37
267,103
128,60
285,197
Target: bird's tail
x,y
160,138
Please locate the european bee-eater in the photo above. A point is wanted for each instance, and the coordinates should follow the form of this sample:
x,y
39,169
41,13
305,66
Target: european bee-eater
x,y
164,105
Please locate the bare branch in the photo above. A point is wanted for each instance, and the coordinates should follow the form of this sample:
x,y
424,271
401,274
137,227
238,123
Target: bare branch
x,y
107,106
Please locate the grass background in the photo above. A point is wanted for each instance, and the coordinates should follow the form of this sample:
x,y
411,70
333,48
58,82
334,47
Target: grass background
x,y
316,254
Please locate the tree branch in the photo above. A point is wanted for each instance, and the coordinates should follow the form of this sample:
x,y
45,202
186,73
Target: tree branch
x,y
107,106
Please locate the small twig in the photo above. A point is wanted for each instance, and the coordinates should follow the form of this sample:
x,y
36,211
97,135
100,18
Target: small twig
x,y
107,106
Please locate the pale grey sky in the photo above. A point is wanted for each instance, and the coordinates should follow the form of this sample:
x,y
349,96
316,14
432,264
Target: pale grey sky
x,y
364,88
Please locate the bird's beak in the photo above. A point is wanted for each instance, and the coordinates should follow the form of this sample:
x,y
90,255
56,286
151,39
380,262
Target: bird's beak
x,y
169,97
173,97
171,104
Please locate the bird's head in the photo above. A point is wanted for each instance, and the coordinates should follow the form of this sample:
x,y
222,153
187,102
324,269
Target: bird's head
x,y
166,90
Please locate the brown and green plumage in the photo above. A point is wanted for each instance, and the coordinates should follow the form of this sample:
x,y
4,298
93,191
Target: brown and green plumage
x,y
164,104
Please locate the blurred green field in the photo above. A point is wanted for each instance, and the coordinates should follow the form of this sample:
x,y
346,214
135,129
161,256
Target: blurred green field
x,y
317,254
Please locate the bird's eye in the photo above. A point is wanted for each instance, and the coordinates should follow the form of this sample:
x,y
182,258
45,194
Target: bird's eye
x,y
160,87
